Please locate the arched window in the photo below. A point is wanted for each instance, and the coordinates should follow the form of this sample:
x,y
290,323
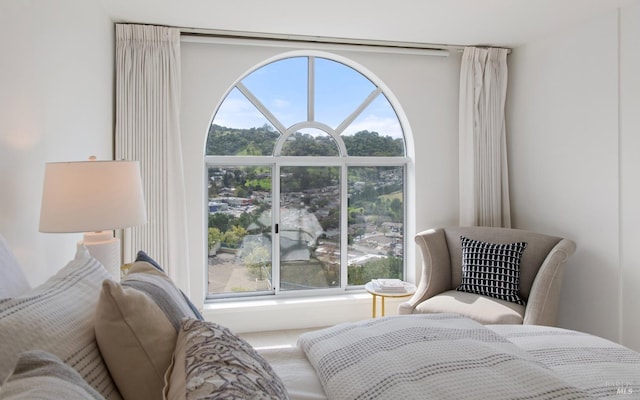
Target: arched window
x,y
306,182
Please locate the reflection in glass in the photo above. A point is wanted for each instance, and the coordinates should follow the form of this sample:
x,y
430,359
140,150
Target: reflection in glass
x,y
309,228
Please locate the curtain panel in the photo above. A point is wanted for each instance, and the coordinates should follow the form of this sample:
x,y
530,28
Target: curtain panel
x,y
484,186
148,85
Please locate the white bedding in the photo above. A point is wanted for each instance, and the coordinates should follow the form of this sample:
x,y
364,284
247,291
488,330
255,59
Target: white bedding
x,y
590,367
598,366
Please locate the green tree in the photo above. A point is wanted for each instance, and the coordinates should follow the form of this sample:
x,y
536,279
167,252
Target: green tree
x,y
220,221
365,143
261,141
233,236
388,267
396,209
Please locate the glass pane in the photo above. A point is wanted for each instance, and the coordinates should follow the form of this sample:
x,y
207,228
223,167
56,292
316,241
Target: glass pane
x,y
309,227
282,88
240,129
376,132
239,229
339,91
310,142
376,223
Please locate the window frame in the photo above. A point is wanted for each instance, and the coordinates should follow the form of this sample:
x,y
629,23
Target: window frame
x,y
343,160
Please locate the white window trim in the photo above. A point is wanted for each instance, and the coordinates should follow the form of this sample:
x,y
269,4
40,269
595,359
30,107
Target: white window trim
x,y
344,163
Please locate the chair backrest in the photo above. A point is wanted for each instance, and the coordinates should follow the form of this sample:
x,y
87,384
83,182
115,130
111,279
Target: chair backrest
x,y
538,247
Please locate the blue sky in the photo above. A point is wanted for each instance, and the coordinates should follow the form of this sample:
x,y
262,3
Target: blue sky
x,y
282,87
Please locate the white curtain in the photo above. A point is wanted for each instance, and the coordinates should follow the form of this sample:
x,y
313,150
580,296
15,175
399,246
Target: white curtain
x,y
484,186
148,129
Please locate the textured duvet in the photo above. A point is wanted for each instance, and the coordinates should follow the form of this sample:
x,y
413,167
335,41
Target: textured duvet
x,y
446,356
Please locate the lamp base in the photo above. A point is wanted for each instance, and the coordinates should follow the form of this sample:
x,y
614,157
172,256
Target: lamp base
x,y
104,247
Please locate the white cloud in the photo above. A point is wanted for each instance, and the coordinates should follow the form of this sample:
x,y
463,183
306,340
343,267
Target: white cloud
x,y
373,123
239,113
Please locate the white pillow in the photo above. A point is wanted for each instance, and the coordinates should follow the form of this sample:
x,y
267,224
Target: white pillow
x,y
12,280
58,317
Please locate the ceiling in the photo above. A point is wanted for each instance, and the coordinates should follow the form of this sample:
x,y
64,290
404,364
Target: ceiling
x,y
507,23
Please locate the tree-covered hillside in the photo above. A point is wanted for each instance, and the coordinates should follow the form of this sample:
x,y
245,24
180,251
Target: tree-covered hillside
x,y
261,141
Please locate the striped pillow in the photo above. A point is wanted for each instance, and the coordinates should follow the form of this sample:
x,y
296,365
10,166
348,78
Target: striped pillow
x,y
137,323
142,256
41,375
58,317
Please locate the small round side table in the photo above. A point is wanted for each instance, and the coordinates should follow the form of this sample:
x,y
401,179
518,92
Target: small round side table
x,y
410,289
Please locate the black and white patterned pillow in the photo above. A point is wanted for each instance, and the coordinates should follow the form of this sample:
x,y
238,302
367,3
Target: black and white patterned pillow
x,y
492,269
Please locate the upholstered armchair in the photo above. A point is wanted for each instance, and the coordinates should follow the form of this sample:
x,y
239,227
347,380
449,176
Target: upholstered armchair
x,y
540,276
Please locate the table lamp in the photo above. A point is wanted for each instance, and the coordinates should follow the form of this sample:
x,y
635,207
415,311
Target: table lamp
x,y
95,197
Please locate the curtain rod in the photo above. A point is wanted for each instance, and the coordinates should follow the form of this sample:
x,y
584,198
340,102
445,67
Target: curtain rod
x,y
363,44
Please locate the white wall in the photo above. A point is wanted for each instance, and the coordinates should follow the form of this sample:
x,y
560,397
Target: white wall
x,y
630,175
425,88
56,80
574,169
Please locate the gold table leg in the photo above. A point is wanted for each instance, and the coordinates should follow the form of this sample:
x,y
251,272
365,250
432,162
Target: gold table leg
x,y
373,309
374,300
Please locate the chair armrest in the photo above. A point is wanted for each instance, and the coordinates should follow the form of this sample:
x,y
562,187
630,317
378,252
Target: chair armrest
x,y
436,268
542,304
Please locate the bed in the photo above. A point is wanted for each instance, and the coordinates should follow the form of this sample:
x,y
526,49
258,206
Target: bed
x,y
445,356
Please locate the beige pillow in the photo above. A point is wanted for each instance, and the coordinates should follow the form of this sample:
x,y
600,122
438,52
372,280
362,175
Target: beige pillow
x,y
135,339
137,324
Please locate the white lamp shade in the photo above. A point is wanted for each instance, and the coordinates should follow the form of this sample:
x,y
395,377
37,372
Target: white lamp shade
x,y
91,196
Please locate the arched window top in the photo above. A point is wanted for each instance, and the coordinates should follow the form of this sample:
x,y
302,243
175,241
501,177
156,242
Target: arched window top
x,y
306,106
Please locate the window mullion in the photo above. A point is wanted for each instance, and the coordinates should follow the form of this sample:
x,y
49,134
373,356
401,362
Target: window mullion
x,y
311,90
344,227
264,110
349,120
275,243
